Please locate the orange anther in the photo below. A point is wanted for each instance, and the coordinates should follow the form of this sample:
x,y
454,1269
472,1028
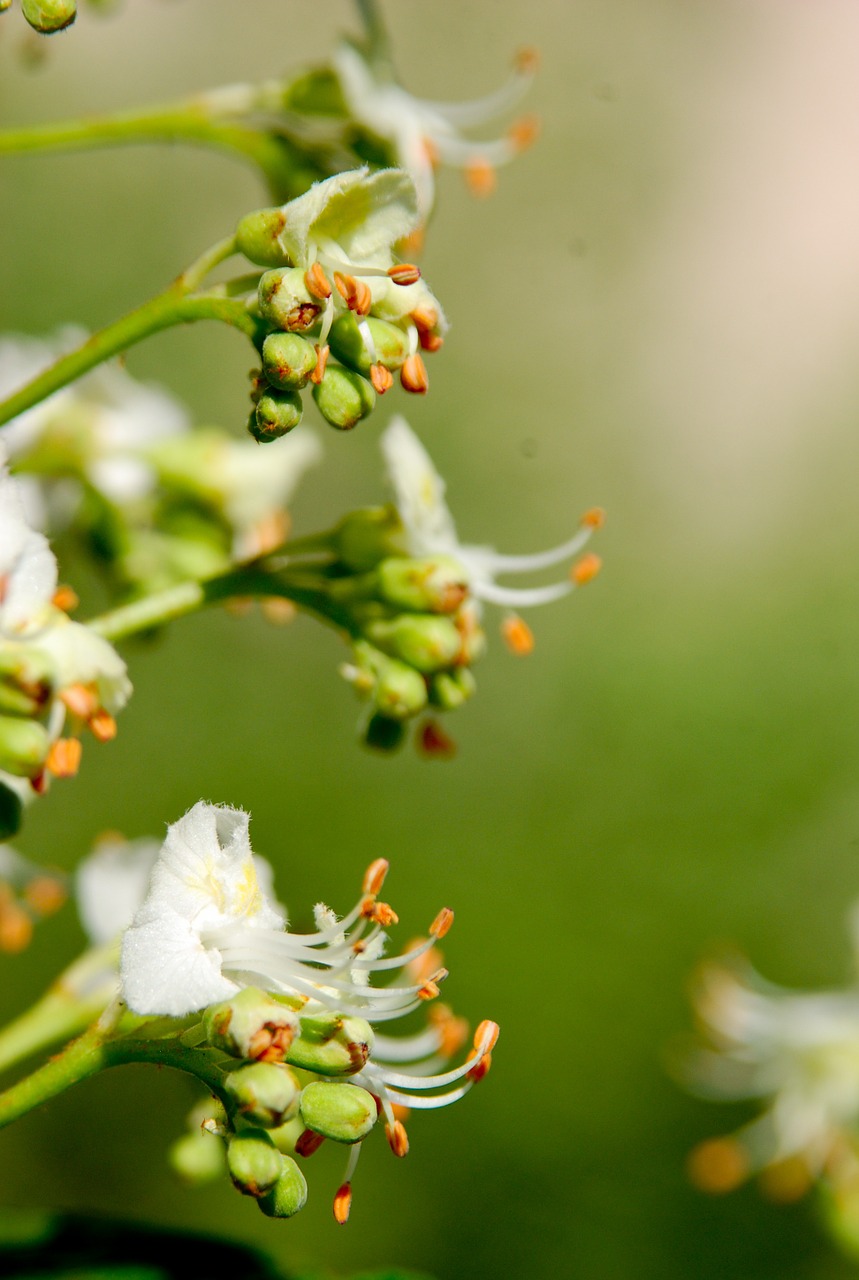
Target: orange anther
x,y
424,965
381,378
343,1203
65,598
586,569
363,298
384,914
398,1139
102,726
594,518
374,876
523,133
480,1068
81,700
481,178
413,375
45,895
430,988
452,1031
442,923
430,341
400,1112
346,286
317,282
434,742
518,636
527,60
16,929
322,354
404,273
307,1143
425,317
489,1031
717,1166
64,758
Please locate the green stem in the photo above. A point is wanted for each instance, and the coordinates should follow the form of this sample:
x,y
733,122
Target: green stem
x,y
176,305
378,41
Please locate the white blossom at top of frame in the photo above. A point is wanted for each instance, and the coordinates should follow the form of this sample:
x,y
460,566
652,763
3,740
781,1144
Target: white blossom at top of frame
x,y
111,884
425,133
419,495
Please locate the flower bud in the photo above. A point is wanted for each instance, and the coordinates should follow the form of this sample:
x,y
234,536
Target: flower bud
x,y
450,689
347,343
276,413
400,691
197,1158
257,237
434,585
425,641
342,1112
289,1193
11,811
381,733
251,1025
284,301
365,537
26,680
264,1092
331,1045
49,16
254,1162
343,398
24,744
288,360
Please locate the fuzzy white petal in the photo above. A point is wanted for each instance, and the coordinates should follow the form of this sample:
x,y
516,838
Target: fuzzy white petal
x,y
418,492
111,885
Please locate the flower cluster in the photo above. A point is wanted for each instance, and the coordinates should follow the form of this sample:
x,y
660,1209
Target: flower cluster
x,y
336,290
797,1053
294,1013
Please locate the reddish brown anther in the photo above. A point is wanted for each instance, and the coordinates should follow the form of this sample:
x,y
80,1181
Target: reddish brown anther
x,y
343,1203
308,1143
398,1139
271,1043
302,316
317,282
374,876
322,354
381,378
480,1068
430,341
404,273
442,923
434,742
413,375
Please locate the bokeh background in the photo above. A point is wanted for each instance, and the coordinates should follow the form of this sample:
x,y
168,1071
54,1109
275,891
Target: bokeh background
x,y
657,312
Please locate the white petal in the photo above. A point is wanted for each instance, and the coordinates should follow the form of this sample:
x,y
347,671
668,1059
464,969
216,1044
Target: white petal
x,y
111,885
418,492
82,657
164,967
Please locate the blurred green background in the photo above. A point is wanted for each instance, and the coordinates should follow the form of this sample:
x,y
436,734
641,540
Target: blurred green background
x,y
657,312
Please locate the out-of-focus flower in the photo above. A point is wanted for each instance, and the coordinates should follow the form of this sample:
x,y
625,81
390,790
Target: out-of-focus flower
x,y
28,893
424,134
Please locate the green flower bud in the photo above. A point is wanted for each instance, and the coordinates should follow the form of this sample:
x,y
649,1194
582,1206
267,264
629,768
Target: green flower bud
x,y
254,1162
288,360
450,689
434,585
331,1045
251,1025
24,745
347,343
11,811
49,16
342,1112
289,1193
276,413
284,301
381,733
197,1158
400,691
26,680
423,640
257,237
343,398
365,537
264,1092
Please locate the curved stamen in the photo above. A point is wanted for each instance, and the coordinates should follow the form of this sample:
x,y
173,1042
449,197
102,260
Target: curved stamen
x,y
519,597
419,1103
480,110
408,1048
498,563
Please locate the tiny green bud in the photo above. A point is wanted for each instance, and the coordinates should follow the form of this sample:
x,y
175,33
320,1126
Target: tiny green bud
x,y
254,1162
425,641
288,360
197,1157
289,1193
251,1025
434,585
342,1112
365,537
347,343
284,301
381,733
400,691
331,1045
11,811
48,16
343,398
257,237
264,1092
450,689
24,745
276,413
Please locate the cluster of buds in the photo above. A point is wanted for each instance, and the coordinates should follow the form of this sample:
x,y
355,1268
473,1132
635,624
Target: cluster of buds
x,y
298,1056
339,313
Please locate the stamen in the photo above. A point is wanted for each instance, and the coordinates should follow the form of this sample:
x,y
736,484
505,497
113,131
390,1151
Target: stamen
x,y
413,375
343,1203
430,342
45,895
527,60
374,876
64,758
81,700
517,635
65,598
404,273
523,133
486,1035
520,597
718,1165
594,518
317,282
302,316
452,1031
586,569
384,914
430,988
16,927
481,177
398,1139
103,726
425,317
435,743
381,378
322,353
442,923
308,1143
480,1068
363,298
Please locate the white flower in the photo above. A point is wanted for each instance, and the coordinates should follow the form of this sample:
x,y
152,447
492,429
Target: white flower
x,y
424,133
112,883
430,530
28,568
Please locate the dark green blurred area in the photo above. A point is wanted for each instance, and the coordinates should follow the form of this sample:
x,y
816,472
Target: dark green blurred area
x,y
657,312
